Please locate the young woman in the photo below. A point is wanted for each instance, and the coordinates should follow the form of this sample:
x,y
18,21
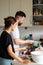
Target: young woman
x,y
7,52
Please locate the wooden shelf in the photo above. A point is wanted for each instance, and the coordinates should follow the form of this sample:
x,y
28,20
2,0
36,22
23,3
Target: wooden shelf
x,y
37,11
37,4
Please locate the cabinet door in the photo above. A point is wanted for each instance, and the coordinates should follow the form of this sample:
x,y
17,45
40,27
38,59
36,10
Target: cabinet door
x,y
26,6
4,10
14,6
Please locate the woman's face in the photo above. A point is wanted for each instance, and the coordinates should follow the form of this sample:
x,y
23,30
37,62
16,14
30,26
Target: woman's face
x,y
13,26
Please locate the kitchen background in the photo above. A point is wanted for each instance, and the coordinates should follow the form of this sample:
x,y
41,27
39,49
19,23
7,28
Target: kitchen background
x,y
34,17
9,8
36,31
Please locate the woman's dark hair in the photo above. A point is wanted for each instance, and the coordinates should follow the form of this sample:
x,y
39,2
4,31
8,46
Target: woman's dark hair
x,y
8,21
20,13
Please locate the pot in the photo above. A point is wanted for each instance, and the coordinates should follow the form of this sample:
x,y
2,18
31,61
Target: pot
x,y
36,43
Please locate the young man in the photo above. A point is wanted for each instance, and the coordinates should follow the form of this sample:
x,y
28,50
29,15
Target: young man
x,y
20,17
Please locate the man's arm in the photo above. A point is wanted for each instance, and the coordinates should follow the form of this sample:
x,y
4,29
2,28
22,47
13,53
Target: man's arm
x,y
19,49
19,41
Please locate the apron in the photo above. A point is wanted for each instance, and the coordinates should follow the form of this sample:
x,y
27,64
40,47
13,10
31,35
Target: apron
x,y
4,61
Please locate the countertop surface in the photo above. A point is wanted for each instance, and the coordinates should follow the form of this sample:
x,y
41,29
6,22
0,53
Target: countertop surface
x,y
18,63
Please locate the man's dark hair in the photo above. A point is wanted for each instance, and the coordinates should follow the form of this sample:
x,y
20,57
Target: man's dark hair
x,y
20,13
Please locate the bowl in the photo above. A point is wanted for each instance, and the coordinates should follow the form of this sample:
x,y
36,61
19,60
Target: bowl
x,y
37,56
36,43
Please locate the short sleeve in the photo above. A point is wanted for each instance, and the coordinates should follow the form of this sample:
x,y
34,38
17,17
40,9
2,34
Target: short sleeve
x,y
8,41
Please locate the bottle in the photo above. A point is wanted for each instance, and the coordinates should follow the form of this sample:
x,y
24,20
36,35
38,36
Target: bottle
x,y
30,36
39,1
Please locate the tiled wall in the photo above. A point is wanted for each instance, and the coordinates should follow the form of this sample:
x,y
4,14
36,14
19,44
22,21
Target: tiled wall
x,y
1,29
36,31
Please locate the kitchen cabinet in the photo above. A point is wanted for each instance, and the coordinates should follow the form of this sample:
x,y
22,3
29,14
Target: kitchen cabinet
x,y
14,6
23,5
26,6
10,7
4,10
37,12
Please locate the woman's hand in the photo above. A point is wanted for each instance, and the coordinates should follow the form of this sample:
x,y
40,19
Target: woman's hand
x,y
26,61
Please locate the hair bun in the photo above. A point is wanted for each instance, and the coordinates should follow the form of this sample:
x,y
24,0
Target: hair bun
x,y
5,19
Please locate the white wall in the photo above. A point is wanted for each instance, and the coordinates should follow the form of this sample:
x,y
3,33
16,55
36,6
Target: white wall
x,y
4,10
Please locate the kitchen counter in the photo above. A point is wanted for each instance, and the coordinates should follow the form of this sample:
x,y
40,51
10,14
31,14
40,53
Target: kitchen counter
x,y
18,63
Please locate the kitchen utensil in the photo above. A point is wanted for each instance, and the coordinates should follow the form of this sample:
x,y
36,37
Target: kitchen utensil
x,y
36,43
37,56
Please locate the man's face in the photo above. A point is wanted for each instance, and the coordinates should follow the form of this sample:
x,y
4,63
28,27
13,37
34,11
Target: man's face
x,y
21,20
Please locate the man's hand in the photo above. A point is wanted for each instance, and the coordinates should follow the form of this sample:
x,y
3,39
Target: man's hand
x,y
30,41
24,48
37,49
